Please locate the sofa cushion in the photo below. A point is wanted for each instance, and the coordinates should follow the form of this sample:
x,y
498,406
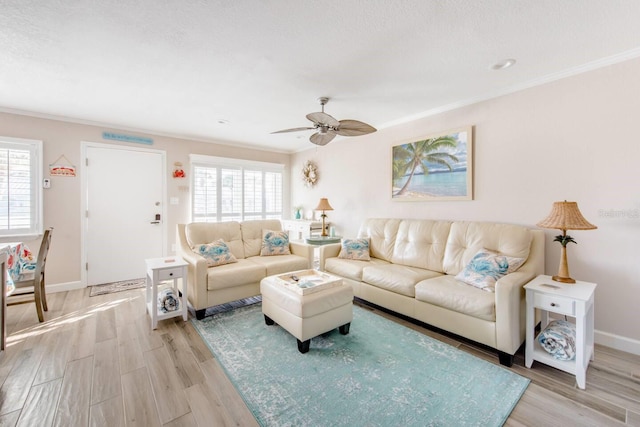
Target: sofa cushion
x,y
198,233
349,268
382,236
467,238
251,232
281,264
421,243
447,292
397,278
216,253
241,273
355,249
275,243
486,267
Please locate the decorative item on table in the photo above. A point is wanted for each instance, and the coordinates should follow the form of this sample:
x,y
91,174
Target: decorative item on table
x,y
297,211
324,206
178,172
565,216
168,301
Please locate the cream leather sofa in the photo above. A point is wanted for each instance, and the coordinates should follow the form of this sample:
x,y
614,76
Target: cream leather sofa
x,y
412,269
209,286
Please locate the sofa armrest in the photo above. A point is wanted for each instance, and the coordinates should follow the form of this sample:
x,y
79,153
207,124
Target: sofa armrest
x,y
196,271
331,250
510,310
304,250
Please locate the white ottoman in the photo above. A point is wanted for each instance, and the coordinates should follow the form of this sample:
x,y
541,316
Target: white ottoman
x,y
307,316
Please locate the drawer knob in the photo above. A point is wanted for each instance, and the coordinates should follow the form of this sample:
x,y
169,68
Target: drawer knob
x,y
553,304
171,274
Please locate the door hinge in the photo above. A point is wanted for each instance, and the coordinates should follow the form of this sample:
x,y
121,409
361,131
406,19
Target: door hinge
x,y
86,266
86,214
86,161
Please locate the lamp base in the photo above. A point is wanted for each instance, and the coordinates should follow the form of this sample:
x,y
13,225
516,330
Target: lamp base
x,y
563,279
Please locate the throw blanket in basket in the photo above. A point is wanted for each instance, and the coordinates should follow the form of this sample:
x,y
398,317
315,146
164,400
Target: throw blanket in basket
x,y
168,301
559,339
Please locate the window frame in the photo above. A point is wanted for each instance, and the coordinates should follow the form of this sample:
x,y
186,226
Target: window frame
x,y
36,164
198,160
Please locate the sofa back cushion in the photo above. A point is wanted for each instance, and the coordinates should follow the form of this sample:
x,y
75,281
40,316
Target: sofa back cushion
x,y
467,238
382,234
198,233
421,243
252,234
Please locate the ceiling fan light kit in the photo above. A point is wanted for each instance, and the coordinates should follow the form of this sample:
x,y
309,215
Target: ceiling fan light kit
x,y
327,127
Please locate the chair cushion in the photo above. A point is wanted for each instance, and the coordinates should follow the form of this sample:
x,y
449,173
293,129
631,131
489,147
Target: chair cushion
x,y
349,268
396,278
280,264
447,292
198,233
241,273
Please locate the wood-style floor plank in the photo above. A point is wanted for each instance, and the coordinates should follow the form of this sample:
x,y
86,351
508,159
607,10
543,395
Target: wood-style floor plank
x,y
96,361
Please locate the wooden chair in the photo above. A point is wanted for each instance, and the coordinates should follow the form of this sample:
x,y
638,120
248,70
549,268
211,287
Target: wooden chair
x,y
37,282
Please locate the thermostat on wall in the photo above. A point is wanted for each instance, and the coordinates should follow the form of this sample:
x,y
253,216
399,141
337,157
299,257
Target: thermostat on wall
x,y
46,183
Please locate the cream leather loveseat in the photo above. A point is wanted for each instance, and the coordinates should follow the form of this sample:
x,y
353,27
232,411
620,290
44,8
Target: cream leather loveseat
x,y
209,286
413,267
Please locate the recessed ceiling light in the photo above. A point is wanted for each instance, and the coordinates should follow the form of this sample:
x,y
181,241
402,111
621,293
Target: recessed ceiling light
x,y
503,65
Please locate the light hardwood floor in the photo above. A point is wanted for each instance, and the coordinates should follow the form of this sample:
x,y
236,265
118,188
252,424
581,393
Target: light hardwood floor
x,y
96,362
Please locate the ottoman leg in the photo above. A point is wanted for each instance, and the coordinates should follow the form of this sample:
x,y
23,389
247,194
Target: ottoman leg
x,y
303,347
269,321
344,329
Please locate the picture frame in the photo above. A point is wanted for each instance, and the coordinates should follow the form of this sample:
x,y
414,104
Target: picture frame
x,y
436,167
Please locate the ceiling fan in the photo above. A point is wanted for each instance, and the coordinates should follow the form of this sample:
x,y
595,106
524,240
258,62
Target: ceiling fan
x,y
327,127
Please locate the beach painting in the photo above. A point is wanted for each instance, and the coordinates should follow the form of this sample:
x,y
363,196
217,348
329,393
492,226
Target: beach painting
x,y
436,167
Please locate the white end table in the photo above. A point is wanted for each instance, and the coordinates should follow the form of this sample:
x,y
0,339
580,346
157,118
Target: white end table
x,y
575,300
160,270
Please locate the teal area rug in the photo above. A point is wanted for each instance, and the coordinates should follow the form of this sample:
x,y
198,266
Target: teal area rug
x,y
380,374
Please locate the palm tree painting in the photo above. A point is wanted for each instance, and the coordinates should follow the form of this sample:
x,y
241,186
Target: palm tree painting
x,y
437,167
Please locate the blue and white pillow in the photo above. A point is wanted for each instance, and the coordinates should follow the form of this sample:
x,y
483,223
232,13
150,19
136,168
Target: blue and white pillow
x,y
559,339
275,243
216,253
486,267
355,249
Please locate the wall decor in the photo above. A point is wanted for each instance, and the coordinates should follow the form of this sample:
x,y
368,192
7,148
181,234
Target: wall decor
x,y
127,138
309,174
435,167
178,172
58,168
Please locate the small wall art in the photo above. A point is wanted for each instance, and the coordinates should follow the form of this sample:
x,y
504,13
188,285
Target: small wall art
x,y
435,167
62,167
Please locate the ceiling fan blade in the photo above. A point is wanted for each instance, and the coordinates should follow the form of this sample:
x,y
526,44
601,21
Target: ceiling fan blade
x,y
322,139
354,128
292,130
323,118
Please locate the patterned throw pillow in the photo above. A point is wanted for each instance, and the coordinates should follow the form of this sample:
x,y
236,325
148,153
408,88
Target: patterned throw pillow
x,y
216,253
486,267
355,249
275,243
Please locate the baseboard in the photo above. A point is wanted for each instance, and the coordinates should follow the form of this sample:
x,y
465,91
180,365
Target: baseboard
x,y
617,342
63,287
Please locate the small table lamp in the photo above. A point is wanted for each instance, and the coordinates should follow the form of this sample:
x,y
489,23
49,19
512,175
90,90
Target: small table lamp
x,y
324,206
565,216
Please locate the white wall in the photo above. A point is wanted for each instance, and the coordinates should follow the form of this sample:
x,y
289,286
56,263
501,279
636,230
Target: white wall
x,y
573,139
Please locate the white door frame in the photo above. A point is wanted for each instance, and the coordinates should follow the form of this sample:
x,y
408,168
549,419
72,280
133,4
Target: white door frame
x,y
84,145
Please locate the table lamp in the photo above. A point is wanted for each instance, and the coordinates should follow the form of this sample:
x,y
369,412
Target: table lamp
x,y
324,206
565,216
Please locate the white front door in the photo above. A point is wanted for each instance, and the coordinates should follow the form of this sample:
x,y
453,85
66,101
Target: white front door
x,y
124,214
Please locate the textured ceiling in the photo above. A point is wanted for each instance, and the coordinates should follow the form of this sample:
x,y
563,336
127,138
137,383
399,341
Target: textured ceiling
x,y
180,67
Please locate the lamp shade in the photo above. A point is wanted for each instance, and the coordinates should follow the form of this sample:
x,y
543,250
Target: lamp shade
x,y
566,216
324,205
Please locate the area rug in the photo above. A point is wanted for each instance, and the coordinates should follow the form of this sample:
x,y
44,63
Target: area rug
x,y
123,285
380,374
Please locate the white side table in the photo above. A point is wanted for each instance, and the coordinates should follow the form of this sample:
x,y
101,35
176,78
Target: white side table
x,y
160,270
575,300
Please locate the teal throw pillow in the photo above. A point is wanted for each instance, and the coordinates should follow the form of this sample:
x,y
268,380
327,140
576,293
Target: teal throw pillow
x,y
275,243
216,253
486,267
355,249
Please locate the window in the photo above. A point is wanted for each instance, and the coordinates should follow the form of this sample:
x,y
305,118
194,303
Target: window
x,y
20,189
234,190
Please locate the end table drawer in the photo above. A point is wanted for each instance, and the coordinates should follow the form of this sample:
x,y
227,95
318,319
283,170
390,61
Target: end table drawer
x,y
555,304
169,273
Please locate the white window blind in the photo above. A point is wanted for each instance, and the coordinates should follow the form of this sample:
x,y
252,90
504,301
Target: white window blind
x,y
235,190
20,189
